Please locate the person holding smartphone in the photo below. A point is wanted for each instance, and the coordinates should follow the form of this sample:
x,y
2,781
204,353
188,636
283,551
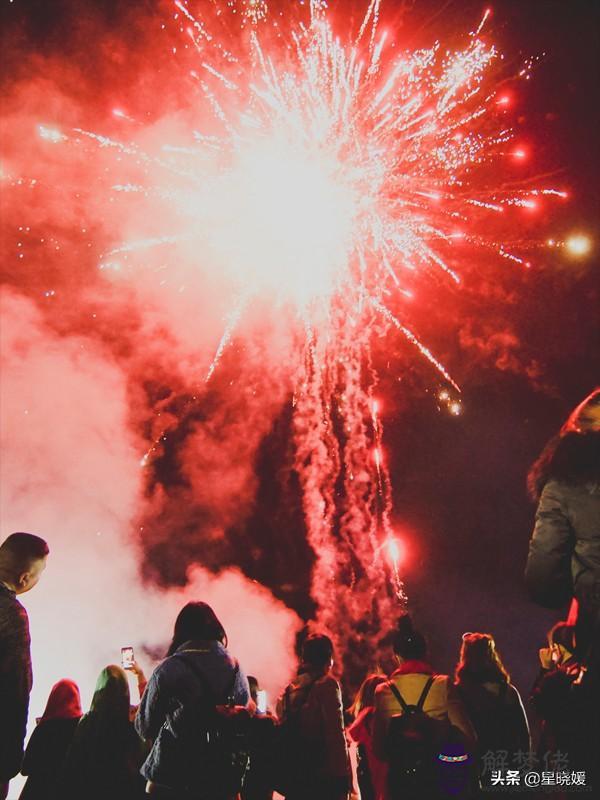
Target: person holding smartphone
x,y
129,664
106,753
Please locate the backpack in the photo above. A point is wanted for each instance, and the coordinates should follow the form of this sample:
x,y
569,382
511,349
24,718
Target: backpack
x,y
292,762
211,737
412,744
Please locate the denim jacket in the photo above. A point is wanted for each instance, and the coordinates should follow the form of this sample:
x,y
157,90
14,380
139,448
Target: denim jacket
x,y
174,684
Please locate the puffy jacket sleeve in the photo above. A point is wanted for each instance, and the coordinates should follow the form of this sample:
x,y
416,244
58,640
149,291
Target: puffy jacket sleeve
x,y
548,569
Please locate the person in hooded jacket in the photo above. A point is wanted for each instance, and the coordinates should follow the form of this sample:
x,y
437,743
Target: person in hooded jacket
x,y
198,670
493,704
50,741
106,753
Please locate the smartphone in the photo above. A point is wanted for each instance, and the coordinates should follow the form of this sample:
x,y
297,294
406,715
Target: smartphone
x,y
261,701
127,658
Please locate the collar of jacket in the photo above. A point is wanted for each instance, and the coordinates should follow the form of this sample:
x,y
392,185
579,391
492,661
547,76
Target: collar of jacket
x,y
7,590
411,666
197,646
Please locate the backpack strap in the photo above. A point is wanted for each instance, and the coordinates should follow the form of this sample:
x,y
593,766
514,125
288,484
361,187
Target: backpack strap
x,y
425,692
207,688
398,696
421,701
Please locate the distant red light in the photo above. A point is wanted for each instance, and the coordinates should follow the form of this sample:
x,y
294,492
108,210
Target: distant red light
x,y
396,551
377,457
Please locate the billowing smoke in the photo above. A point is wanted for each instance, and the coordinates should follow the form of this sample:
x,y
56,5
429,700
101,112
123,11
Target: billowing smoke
x,y
98,367
70,471
151,484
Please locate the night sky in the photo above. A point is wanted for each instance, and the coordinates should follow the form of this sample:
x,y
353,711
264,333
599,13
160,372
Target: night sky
x,y
460,501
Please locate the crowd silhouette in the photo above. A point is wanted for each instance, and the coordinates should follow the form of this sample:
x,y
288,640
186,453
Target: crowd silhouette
x,y
202,730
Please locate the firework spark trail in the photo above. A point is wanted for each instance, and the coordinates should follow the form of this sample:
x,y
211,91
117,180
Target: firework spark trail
x,y
330,178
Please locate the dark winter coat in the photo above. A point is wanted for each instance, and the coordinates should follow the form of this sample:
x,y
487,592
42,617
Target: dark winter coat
x,y
316,699
564,551
15,682
498,716
44,758
106,753
174,684
103,762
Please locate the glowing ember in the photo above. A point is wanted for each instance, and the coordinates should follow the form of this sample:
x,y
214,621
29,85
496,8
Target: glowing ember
x,y
578,245
395,550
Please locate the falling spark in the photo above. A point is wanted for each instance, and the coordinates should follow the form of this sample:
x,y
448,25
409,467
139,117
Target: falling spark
x,y
396,554
51,134
455,408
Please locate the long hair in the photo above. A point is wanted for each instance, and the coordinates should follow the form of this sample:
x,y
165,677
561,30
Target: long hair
x,y
105,752
197,622
572,458
480,662
106,725
111,695
365,696
573,455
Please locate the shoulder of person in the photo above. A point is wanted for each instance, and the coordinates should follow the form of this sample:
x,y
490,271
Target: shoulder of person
x,y
15,610
562,492
170,667
327,683
14,623
382,688
440,682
